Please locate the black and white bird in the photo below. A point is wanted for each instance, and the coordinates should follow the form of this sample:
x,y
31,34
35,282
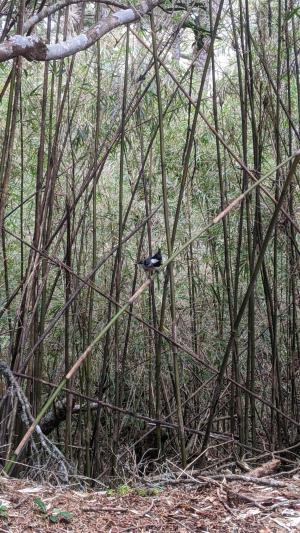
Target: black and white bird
x,y
151,263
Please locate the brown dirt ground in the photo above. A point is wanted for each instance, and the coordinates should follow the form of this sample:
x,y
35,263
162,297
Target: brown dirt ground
x,y
181,508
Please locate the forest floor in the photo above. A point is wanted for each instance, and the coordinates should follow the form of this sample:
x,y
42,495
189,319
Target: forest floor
x,y
220,506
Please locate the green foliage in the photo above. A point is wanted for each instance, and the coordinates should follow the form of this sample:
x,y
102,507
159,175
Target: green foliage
x,y
3,510
121,490
293,13
40,504
56,515
202,294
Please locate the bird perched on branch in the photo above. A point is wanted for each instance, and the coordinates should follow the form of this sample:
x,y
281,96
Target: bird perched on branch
x,y
151,263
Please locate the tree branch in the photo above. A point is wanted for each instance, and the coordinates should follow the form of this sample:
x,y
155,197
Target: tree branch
x,y
33,48
46,11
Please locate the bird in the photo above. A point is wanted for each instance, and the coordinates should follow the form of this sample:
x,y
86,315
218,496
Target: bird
x,y
151,263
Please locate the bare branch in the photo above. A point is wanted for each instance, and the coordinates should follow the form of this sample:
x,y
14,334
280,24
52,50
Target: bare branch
x,y
33,48
50,10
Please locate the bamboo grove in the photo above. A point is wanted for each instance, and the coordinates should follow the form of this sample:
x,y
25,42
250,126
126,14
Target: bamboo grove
x,y
178,131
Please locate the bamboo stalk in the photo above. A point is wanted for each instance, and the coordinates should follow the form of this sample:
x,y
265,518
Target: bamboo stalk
x,y
296,157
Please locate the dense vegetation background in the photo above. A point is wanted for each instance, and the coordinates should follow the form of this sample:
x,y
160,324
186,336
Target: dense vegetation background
x,y
134,144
